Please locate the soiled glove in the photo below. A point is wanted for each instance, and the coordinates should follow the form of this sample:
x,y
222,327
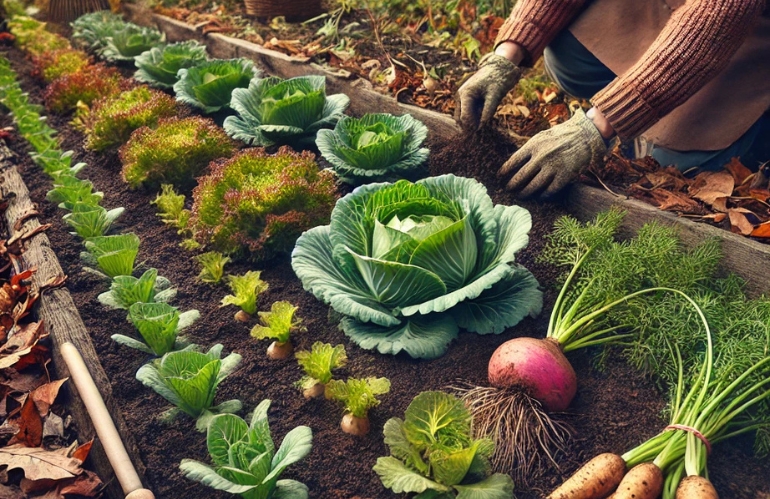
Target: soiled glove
x,y
479,97
553,158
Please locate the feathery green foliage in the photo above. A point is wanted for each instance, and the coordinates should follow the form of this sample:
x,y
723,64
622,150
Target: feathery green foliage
x,y
246,289
278,323
319,362
358,395
125,290
213,266
114,255
159,65
210,84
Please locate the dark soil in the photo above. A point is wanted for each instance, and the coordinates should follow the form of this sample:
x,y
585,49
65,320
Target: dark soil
x,y
615,409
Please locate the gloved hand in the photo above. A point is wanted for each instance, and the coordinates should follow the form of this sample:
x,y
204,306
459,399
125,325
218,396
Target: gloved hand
x,y
553,158
480,95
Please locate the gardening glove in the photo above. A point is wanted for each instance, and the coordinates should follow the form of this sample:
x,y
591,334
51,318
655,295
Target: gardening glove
x,y
478,98
553,158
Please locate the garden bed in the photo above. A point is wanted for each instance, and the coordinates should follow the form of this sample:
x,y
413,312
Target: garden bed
x,y
615,409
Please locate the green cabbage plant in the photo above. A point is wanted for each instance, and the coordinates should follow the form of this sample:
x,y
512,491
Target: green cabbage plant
x,y
189,380
375,148
125,290
69,190
409,264
159,65
210,84
276,111
434,454
159,325
93,29
130,41
245,459
114,255
90,220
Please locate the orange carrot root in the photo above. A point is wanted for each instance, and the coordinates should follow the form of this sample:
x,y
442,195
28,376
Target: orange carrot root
x,y
696,487
643,481
597,478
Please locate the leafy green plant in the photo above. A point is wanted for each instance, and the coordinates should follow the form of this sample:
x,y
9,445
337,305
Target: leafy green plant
x,y
85,86
409,264
246,289
69,191
245,460
125,290
434,454
189,380
278,324
375,148
58,63
357,397
210,84
159,65
130,41
256,205
318,364
276,111
114,255
32,36
90,220
113,119
213,266
171,208
159,325
174,151
93,29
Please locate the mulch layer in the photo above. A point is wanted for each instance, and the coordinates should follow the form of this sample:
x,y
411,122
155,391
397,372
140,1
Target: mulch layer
x,y
615,408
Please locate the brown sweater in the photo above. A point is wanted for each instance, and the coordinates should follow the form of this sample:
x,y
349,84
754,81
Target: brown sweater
x,y
696,44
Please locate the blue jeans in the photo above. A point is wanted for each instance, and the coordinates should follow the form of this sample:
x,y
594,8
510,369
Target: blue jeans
x,y
578,72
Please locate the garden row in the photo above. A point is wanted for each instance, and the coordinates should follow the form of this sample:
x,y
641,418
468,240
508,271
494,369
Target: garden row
x,y
407,264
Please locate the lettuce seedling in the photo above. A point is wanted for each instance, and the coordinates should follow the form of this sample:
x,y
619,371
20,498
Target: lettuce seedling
x,y
213,264
209,85
171,209
91,221
278,324
159,325
58,164
318,365
276,111
357,397
375,148
244,458
130,41
114,255
189,380
246,289
125,290
69,191
434,454
159,65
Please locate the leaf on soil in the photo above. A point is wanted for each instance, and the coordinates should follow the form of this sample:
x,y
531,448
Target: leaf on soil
x,y
87,484
709,187
81,453
739,223
30,426
39,464
675,201
715,217
21,343
44,396
739,172
762,230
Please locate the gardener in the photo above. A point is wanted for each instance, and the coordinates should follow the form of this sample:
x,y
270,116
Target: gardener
x,y
691,77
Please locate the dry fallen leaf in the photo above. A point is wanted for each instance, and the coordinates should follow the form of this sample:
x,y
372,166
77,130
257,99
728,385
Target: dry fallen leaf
x,y
30,426
674,201
710,186
44,396
739,172
739,223
762,230
39,464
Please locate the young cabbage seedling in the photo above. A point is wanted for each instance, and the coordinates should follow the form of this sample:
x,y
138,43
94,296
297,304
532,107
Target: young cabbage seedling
x,y
125,290
159,324
318,364
114,255
89,220
213,264
357,396
171,207
278,324
246,289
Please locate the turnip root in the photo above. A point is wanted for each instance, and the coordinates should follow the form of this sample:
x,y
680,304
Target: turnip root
x,y
594,480
314,391
643,481
354,425
280,351
242,316
696,487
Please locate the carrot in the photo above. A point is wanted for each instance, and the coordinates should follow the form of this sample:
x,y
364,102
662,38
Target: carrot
x,y
597,478
696,487
643,481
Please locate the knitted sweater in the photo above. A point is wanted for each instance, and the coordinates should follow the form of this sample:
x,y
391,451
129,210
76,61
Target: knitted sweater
x,y
681,60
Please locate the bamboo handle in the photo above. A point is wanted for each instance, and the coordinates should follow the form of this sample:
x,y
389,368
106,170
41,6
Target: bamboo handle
x,y
105,428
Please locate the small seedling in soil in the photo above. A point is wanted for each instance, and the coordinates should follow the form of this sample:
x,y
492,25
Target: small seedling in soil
x,y
171,207
318,365
125,290
278,324
357,396
159,325
246,289
213,264
114,255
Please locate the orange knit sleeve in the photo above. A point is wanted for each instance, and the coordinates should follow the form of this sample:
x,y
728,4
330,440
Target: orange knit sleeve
x,y
694,46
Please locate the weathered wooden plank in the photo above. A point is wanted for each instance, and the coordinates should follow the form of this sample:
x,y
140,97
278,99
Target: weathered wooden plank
x,y
62,321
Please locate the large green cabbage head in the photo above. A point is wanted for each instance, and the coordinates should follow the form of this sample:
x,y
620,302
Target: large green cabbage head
x,y
159,65
411,263
131,41
209,85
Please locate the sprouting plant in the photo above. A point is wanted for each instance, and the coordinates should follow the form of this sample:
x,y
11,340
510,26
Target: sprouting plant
x,y
90,220
159,65
58,164
125,290
276,111
130,41
246,289
171,208
375,148
189,379
114,255
53,65
318,364
210,84
68,191
85,86
256,205
173,151
213,266
278,324
159,325
357,397
245,459
112,119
